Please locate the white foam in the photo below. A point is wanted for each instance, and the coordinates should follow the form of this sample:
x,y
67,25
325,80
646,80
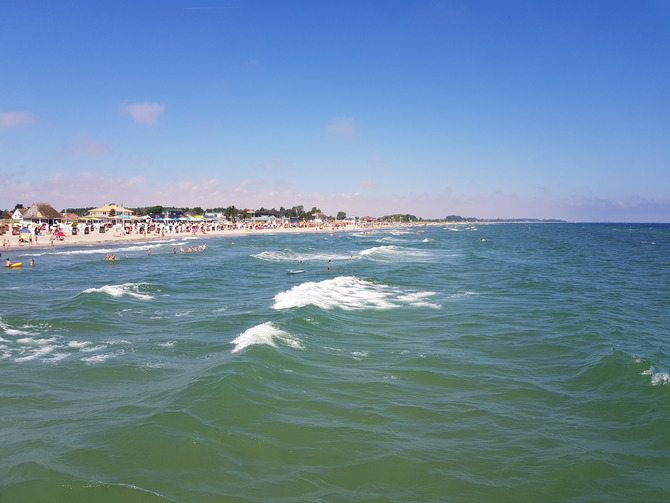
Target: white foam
x,y
128,289
265,333
13,331
98,358
417,299
92,349
349,293
388,239
35,353
463,294
29,341
16,331
144,246
657,378
288,255
393,253
78,344
51,348
56,357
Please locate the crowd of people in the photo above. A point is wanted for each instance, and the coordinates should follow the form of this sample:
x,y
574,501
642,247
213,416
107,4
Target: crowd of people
x,y
112,256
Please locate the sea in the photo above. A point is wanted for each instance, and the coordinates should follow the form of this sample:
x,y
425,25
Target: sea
x,y
505,362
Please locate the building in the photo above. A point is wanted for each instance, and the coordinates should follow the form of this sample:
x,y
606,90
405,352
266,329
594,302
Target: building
x,y
42,213
269,216
18,213
320,218
168,214
111,213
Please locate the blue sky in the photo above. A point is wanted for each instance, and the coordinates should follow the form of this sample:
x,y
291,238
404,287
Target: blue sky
x,y
493,109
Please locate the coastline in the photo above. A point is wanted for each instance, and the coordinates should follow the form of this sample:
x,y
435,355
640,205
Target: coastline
x,y
109,238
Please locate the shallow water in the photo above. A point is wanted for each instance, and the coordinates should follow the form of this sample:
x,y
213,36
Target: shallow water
x,y
505,362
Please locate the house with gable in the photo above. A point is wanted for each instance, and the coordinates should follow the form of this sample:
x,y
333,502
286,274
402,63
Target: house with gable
x,y
18,213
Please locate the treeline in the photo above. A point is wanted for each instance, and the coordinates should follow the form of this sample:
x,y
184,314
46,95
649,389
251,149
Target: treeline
x,y
458,218
229,212
400,218
234,213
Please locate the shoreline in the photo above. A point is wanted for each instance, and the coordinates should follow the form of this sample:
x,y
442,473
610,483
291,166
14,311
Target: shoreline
x,y
108,238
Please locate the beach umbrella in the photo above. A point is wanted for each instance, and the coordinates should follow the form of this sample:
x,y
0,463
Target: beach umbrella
x,y
25,230
60,234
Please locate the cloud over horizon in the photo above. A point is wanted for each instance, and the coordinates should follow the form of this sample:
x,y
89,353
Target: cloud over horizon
x,y
94,189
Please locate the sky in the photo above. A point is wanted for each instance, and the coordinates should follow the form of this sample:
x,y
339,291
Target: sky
x,y
488,109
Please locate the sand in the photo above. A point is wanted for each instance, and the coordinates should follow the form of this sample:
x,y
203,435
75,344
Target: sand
x,y
98,239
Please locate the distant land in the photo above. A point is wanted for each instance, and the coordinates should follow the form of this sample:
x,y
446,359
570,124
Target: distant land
x,y
458,218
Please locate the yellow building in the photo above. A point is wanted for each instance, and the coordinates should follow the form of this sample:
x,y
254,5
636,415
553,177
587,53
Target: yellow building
x,y
111,211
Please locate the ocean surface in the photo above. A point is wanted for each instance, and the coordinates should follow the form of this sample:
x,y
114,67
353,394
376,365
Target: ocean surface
x,y
488,363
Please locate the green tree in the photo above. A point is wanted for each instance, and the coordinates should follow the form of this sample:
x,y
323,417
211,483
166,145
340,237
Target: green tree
x,y
154,209
341,215
297,212
231,213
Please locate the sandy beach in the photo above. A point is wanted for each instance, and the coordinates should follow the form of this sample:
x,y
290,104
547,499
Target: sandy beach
x,y
109,237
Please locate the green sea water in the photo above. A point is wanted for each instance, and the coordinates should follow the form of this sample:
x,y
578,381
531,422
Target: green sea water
x,y
490,363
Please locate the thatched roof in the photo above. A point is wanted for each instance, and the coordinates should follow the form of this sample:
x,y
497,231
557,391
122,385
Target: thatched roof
x,y
41,211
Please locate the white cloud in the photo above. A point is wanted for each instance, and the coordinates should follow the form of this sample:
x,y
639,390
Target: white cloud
x,y
12,119
88,146
94,189
342,127
143,113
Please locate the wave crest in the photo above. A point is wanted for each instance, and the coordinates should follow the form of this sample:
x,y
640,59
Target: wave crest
x,y
137,290
349,293
265,333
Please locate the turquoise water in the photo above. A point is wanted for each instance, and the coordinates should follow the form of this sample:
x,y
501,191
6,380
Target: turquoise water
x,y
505,363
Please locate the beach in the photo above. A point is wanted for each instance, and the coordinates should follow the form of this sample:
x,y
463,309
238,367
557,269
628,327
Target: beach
x,y
111,236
